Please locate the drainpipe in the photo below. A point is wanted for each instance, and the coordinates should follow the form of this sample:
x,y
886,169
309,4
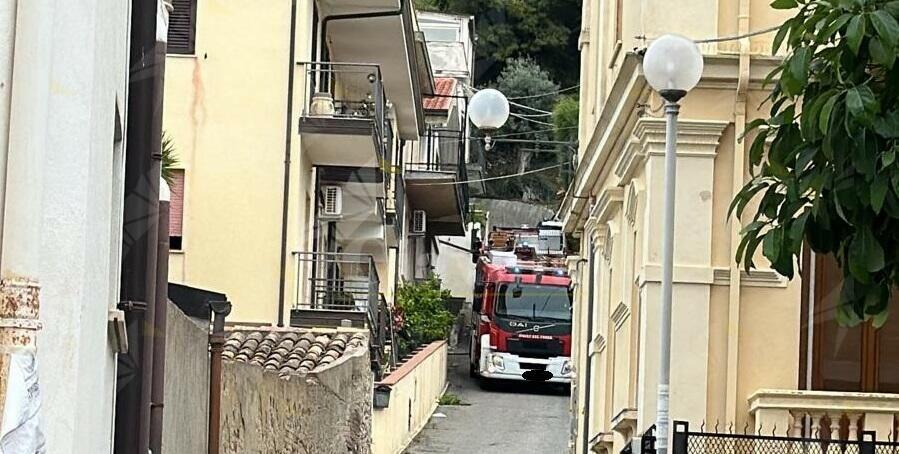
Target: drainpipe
x,y
588,372
28,79
141,228
288,139
157,387
220,310
733,315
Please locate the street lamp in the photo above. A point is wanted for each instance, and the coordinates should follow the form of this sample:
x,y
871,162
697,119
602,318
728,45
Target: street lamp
x,y
488,111
672,66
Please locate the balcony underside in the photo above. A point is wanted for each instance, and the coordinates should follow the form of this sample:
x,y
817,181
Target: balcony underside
x,y
433,192
330,141
388,41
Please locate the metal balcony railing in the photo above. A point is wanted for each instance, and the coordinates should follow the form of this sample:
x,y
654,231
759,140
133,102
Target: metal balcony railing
x,y
347,91
445,152
335,281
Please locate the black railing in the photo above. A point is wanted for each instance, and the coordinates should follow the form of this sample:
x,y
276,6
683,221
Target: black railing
x,y
444,151
398,202
685,441
348,91
337,282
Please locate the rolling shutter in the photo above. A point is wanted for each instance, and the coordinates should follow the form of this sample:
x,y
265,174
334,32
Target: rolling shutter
x,y
182,27
176,207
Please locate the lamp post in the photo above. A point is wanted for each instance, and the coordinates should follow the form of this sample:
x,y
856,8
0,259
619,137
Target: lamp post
x,y
672,66
488,111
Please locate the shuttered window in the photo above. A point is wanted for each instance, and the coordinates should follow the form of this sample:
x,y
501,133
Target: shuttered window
x,y
182,27
176,209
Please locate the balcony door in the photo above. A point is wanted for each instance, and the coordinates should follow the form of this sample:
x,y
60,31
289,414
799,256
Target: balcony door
x,y
859,358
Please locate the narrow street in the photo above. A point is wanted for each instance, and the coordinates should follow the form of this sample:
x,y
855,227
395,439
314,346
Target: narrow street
x,y
510,418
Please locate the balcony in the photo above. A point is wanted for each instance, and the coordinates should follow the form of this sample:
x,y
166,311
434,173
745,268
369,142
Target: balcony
x,y
435,185
343,122
383,32
335,289
824,415
360,226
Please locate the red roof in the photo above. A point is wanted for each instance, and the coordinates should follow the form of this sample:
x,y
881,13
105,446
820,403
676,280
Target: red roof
x,y
443,86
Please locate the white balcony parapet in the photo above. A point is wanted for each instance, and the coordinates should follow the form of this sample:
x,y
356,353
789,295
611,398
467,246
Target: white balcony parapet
x,y
824,414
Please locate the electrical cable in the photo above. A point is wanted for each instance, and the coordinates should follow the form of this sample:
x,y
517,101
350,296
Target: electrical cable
x,y
501,177
531,120
547,93
737,37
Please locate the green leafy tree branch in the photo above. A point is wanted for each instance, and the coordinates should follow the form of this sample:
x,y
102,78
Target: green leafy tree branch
x,y
823,162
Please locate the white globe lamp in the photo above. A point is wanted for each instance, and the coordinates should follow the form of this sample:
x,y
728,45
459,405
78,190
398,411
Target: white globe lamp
x,y
672,66
488,110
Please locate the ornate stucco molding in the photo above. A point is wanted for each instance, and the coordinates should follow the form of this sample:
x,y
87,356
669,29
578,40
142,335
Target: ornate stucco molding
x,y
695,138
754,278
620,315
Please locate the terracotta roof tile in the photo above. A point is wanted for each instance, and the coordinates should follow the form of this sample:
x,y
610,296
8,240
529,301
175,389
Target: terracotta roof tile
x,y
290,351
444,86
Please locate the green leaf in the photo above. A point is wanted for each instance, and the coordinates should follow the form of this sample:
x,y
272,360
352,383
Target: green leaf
x,y
866,252
826,111
780,36
882,54
855,33
799,65
879,319
784,4
773,244
834,27
892,8
888,158
886,26
888,126
860,102
879,188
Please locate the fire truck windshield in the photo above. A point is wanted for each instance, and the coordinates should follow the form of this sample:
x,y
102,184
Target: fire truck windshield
x,y
535,302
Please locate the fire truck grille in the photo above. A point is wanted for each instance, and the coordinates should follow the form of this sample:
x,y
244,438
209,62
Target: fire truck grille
x,y
534,348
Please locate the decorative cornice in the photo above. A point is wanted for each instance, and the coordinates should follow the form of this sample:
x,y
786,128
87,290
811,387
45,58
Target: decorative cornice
x,y
754,278
620,315
608,203
695,138
607,248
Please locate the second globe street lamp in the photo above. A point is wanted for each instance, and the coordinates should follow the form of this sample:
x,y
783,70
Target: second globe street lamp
x,y
488,110
672,66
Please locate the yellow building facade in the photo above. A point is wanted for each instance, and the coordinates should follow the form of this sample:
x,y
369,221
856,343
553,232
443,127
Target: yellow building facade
x,y
742,343
293,122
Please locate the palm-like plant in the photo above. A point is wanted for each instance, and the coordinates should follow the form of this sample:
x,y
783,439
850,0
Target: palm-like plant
x,y
169,158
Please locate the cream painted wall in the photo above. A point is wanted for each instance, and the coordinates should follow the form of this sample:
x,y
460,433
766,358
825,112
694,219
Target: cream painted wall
x,y
623,158
225,111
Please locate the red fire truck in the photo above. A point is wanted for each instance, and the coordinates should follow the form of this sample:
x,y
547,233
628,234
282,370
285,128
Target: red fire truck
x,y
521,311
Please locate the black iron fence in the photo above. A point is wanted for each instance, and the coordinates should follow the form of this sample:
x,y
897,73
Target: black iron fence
x,y
687,441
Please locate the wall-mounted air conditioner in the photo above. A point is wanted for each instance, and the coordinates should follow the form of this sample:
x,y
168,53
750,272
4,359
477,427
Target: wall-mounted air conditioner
x,y
419,226
333,201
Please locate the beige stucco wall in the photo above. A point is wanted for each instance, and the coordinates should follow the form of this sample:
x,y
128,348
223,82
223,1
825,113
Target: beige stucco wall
x,y
225,111
726,342
186,415
413,399
326,412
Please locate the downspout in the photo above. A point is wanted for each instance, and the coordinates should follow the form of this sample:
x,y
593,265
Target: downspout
x,y
143,156
219,310
734,294
27,78
588,373
157,387
288,136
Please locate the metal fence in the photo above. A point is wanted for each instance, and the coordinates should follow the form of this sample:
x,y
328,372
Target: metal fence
x,y
686,441
337,282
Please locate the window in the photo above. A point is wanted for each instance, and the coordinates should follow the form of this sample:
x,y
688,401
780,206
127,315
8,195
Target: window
x,y
183,27
176,210
534,302
851,359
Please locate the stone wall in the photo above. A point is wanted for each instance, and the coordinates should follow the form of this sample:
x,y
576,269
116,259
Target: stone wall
x,y
324,412
186,415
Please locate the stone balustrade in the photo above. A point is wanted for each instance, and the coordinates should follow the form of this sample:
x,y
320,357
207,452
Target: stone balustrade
x,y
825,415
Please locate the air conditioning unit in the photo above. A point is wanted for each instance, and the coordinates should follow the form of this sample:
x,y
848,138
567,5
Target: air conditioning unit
x,y
418,222
333,201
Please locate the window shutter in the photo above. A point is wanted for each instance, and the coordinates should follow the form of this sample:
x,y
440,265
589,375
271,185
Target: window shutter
x,y
176,207
182,27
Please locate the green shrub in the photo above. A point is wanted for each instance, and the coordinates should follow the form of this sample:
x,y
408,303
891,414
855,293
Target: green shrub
x,y
421,314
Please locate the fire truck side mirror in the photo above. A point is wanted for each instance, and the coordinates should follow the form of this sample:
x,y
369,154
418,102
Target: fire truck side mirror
x,y
478,298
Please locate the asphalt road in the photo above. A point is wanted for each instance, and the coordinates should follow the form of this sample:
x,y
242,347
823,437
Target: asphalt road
x,y
508,418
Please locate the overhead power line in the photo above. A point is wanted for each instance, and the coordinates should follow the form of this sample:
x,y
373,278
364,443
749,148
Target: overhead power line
x,y
549,93
501,177
531,120
738,37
